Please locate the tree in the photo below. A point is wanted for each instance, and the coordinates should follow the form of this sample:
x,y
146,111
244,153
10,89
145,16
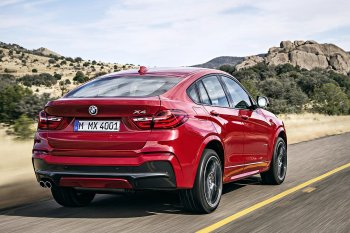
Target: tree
x,y
80,77
330,99
63,87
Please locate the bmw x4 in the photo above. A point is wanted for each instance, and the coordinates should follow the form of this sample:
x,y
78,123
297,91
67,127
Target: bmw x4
x,y
185,129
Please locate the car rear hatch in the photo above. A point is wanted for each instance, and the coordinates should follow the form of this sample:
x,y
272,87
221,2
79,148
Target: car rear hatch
x,y
109,132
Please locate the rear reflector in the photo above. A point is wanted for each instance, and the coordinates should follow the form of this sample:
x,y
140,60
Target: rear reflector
x,y
165,119
86,182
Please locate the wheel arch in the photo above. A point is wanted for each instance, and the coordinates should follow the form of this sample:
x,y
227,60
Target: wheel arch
x,y
211,142
217,146
280,132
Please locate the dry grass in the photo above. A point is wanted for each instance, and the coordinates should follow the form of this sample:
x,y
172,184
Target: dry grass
x,y
304,127
17,180
18,184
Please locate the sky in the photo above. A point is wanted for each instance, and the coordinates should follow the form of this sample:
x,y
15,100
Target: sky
x,y
166,33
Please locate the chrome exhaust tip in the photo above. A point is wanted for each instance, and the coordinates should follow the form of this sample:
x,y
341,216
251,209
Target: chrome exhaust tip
x,y
48,184
42,184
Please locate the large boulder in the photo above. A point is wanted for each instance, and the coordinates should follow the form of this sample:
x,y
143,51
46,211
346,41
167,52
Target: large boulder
x,y
249,62
287,45
277,59
308,60
338,62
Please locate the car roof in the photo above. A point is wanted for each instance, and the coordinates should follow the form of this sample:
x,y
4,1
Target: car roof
x,y
172,72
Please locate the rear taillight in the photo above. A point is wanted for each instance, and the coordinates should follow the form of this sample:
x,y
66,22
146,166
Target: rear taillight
x,y
165,119
51,122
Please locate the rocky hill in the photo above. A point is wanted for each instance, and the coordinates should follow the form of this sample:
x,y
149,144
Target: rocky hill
x,y
219,61
19,62
305,54
46,52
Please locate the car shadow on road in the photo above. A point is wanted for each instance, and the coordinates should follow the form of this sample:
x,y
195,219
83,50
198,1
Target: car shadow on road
x,y
139,204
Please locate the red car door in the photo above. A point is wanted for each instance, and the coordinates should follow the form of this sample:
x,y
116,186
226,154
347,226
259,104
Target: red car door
x,y
256,128
228,124
257,135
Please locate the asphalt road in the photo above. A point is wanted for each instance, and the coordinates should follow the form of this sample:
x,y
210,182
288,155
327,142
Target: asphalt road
x,y
321,207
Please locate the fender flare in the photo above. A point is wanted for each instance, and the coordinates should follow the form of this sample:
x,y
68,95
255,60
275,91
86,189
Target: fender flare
x,y
198,157
275,136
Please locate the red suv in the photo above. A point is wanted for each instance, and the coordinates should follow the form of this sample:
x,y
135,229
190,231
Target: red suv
x,y
189,129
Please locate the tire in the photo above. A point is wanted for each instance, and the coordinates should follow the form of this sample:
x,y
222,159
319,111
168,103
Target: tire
x,y
278,167
69,197
205,195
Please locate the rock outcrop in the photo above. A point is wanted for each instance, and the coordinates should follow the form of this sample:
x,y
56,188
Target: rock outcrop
x,y
46,52
306,54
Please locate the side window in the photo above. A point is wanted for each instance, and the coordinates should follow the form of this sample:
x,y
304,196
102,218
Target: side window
x,y
239,97
192,93
203,93
215,91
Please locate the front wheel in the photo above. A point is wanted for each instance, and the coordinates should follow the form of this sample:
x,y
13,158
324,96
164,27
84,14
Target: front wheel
x,y
205,195
70,197
278,167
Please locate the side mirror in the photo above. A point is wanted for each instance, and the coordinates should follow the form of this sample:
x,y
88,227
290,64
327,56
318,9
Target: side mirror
x,y
263,102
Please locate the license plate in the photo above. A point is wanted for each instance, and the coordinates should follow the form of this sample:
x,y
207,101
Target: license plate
x,y
96,126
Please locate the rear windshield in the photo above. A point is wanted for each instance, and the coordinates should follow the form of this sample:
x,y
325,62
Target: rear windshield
x,y
124,86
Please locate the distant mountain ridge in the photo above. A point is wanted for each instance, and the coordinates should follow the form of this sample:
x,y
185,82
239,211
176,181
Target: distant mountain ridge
x,y
219,61
40,51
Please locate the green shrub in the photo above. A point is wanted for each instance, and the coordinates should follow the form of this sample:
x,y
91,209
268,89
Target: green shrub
x,y
34,71
78,59
227,68
36,80
80,77
16,100
22,127
330,99
57,76
69,59
293,90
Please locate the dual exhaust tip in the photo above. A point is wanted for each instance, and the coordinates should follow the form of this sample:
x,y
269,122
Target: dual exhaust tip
x,y
45,184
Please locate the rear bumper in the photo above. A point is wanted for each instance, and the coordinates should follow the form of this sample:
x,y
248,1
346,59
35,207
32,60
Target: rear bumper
x,y
148,175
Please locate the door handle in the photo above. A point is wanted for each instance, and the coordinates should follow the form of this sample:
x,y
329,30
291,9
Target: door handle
x,y
244,117
214,113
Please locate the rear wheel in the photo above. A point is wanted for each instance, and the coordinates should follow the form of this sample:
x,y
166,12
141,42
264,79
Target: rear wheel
x,y
278,167
69,197
205,195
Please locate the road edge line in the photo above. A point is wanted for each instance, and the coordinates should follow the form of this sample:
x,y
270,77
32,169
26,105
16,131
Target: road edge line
x,y
261,204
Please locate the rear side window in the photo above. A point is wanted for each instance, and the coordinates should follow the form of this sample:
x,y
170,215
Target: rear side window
x,y
131,86
192,93
239,97
203,94
215,91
